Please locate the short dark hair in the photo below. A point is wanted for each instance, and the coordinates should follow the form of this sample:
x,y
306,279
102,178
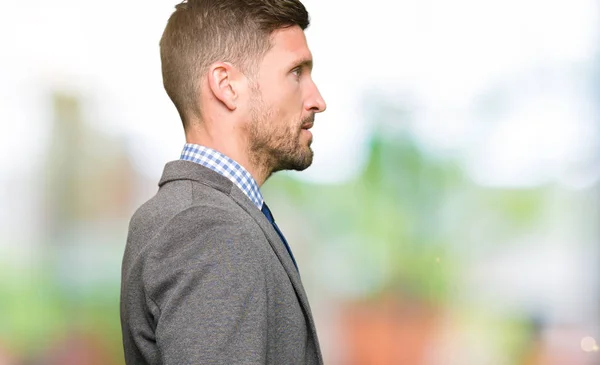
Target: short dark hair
x,y
201,32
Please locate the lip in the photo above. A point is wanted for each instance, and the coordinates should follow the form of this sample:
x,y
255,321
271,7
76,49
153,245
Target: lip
x,y
308,126
307,133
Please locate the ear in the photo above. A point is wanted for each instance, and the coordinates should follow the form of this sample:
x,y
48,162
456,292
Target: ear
x,y
221,79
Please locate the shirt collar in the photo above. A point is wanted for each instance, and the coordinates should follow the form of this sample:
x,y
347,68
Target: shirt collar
x,y
225,166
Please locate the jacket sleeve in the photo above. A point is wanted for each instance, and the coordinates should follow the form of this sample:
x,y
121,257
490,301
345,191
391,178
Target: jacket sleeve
x,y
206,283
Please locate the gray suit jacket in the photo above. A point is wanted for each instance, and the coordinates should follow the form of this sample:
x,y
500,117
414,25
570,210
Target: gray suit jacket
x,y
207,280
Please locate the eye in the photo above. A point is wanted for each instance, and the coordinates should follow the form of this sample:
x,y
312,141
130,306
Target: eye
x,y
297,71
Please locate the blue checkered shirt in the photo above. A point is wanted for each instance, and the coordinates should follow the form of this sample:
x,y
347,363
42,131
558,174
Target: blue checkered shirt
x,y
225,166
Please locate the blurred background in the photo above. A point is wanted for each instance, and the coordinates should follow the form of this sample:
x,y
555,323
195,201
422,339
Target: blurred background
x,y
451,216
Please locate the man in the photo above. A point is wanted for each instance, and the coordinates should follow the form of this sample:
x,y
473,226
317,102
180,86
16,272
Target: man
x,y
207,276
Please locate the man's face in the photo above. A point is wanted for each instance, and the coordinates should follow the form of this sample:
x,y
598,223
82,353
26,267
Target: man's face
x,y
283,104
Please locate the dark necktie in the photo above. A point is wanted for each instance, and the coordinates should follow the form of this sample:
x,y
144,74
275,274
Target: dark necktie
x,y
267,212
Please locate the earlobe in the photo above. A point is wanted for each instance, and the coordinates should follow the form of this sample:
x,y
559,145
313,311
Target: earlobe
x,y
220,77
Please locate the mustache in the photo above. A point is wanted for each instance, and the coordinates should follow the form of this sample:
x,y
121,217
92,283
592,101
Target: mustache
x,y
308,120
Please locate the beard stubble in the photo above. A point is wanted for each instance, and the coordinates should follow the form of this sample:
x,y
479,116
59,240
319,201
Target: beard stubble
x,y
275,145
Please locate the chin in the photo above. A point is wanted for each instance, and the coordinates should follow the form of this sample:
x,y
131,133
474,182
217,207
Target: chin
x,y
301,167
306,161
297,161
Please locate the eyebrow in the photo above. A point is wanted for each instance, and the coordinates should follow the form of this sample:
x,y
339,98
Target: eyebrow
x,y
304,62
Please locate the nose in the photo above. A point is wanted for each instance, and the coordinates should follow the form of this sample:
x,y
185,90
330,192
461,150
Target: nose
x,y
315,101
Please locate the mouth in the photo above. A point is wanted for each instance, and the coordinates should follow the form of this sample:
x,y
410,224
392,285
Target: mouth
x,y
308,125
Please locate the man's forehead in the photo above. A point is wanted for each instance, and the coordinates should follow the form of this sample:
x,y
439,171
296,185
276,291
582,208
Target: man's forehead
x,y
292,41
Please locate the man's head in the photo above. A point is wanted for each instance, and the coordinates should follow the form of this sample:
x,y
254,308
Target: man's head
x,y
239,74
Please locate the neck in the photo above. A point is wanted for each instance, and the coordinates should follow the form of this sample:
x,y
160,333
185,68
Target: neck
x,y
234,148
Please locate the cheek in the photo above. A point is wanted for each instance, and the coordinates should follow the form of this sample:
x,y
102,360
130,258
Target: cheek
x,y
284,104
285,110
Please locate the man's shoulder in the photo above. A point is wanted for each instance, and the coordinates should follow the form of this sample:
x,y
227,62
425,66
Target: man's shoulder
x,y
178,196
187,211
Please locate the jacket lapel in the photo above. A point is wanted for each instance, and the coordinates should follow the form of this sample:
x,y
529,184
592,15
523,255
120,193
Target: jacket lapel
x,y
279,248
274,240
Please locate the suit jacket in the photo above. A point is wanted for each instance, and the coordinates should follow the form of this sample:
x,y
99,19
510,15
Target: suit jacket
x,y
207,280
